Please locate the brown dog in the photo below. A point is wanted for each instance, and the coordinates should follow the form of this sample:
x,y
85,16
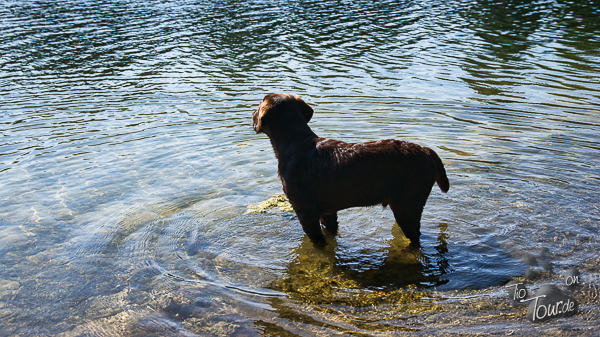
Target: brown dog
x,y
322,176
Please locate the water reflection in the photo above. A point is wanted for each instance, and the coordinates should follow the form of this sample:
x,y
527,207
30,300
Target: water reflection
x,y
506,26
509,33
406,266
316,272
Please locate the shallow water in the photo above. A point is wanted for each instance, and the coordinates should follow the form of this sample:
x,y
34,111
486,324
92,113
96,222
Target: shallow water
x,y
127,162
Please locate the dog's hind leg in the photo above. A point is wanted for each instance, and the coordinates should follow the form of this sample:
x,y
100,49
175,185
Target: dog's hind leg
x,y
330,222
408,217
310,225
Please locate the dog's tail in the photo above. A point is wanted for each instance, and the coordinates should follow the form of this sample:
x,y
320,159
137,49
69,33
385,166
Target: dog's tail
x,y
440,173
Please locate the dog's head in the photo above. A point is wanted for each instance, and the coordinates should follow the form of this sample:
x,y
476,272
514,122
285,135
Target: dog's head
x,y
280,109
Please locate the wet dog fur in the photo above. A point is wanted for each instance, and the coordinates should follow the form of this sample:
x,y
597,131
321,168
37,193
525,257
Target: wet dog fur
x,y
322,176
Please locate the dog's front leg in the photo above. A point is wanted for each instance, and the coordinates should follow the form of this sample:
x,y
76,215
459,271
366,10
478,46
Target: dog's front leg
x,y
310,225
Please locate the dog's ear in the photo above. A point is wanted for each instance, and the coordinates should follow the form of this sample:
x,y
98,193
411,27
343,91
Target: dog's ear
x,y
255,125
306,110
260,116
257,120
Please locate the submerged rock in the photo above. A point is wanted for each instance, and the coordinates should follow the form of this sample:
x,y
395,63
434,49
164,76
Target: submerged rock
x,y
277,202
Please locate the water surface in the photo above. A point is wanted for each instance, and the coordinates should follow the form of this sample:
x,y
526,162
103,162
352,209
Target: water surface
x,y
127,162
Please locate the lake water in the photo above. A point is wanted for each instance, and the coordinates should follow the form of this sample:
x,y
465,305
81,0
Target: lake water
x,y
128,161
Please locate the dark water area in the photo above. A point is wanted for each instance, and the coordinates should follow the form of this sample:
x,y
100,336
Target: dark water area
x,y
128,162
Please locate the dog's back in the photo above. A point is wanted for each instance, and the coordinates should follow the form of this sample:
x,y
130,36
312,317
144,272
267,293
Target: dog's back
x,y
339,175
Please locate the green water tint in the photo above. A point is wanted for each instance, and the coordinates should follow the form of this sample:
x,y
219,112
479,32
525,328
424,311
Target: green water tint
x,y
314,277
454,312
321,284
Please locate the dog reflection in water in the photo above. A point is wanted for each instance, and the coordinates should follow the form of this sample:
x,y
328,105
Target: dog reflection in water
x,y
322,176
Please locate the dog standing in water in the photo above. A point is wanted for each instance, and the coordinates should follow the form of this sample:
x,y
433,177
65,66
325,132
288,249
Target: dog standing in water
x,y
322,176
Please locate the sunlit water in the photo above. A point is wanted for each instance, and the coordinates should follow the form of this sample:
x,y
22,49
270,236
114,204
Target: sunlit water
x,y
127,162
